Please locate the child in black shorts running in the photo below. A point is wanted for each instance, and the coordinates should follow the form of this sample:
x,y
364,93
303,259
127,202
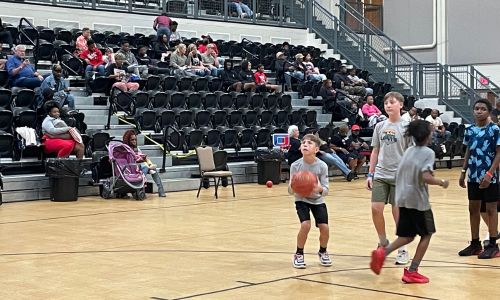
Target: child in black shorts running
x,y
480,164
414,174
313,203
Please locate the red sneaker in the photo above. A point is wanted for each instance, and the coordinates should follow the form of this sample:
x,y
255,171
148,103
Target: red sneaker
x,y
378,258
414,277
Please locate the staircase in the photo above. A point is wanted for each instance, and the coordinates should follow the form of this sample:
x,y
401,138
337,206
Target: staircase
x,y
368,48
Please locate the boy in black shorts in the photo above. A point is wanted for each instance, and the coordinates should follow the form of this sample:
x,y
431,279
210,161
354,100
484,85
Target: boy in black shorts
x,y
481,163
414,174
313,203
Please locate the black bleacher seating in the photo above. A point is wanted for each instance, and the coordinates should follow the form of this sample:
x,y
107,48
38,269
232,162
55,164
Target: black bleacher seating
x,y
4,78
159,102
169,83
177,102
141,102
194,102
219,120
210,102
202,121
166,119
5,99
282,119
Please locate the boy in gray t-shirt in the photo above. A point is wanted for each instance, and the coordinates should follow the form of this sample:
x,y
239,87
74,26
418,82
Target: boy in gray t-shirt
x,y
313,203
389,143
414,174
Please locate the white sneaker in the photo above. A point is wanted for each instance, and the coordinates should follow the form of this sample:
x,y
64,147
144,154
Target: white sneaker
x,y
298,261
243,15
324,259
402,258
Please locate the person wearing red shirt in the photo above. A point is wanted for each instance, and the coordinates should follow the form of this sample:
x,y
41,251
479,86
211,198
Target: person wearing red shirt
x,y
94,60
261,80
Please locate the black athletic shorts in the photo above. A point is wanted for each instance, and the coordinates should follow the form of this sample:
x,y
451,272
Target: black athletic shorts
x,y
413,222
319,212
483,206
489,194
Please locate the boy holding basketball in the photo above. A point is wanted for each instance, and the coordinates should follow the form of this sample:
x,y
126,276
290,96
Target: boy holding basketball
x,y
414,174
389,143
481,163
309,197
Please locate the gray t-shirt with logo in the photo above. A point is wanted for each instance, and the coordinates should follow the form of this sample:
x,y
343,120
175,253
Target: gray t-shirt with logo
x,y
411,190
391,140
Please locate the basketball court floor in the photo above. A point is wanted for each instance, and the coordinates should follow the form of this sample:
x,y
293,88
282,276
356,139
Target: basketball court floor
x,y
181,247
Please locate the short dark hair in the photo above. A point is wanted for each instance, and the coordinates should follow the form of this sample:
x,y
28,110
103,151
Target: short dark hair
x,y
312,138
489,107
50,105
85,29
174,23
285,44
260,65
420,130
124,42
90,42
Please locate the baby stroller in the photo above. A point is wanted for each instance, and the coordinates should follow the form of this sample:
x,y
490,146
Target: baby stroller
x,y
126,175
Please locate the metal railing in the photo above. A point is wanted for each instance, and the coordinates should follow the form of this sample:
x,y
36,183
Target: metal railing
x,y
32,40
357,48
266,12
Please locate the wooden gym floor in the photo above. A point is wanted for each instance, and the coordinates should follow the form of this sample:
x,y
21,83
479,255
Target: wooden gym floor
x,y
181,247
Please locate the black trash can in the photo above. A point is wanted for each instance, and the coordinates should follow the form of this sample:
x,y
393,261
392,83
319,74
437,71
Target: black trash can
x,y
64,176
268,165
269,170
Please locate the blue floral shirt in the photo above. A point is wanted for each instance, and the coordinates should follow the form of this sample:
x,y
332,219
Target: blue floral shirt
x,y
482,143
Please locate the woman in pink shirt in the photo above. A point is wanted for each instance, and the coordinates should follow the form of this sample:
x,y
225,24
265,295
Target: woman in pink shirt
x,y
371,112
162,25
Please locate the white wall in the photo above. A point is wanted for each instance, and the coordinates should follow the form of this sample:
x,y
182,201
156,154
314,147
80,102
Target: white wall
x,y
133,23
492,71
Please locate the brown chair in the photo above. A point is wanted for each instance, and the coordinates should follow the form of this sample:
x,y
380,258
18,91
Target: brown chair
x,y
208,170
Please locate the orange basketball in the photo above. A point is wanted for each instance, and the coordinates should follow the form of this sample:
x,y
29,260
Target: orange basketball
x,y
303,183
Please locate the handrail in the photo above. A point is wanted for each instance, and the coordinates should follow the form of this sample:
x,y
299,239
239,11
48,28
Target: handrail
x,y
36,43
391,45
365,47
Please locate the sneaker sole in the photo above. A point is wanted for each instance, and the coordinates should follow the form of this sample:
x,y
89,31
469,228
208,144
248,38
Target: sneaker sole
x,y
299,267
400,263
473,253
326,265
494,256
412,282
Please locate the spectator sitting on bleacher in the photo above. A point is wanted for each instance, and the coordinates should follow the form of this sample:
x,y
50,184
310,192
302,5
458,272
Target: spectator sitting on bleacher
x,y
175,35
241,8
285,48
194,62
357,145
21,71
344,83
56,137
133,64
57,83
81,41
246,76
341,144
296,71
178,60
440,132
371,112
328,93
329,156
262,82
293,153
118,72
312,73
93,58
210,60
229,78
356,81
161,46
109,57
410,115
6,36
279,65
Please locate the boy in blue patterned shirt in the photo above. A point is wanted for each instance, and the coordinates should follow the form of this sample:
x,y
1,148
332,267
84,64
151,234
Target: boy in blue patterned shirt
x,y
481,163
